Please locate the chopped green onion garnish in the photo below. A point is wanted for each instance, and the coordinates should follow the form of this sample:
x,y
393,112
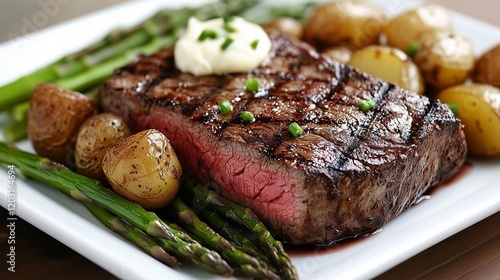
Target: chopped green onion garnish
x,y
228,28
366,104
247,117
225,107
207,33
295,129
252,84
254,44
228,19
454,108
226,43
413,49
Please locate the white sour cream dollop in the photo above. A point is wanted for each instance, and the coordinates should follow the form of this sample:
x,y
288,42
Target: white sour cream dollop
x,y
207,56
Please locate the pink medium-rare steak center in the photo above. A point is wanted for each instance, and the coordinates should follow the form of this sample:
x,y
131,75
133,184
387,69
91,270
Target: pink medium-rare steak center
x,y
267,189
349,173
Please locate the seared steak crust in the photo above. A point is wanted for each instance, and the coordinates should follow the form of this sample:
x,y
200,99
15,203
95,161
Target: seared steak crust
x,y
349,173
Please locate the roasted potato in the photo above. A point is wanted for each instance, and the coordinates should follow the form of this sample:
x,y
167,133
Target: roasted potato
x,y
487,68
445,59
341,54
479,111
286,25
144,169
405,28
54,117
94,137
353,23
389,64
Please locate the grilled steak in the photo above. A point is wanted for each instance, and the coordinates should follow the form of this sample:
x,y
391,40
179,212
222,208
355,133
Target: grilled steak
x,y
349,173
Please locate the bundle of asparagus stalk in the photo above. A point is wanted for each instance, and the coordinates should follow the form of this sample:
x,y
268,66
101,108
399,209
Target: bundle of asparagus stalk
x,y
84,70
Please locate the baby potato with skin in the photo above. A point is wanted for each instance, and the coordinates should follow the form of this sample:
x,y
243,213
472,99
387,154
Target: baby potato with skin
x,y
54,117
487,68
144,169
479,110
94,137
355,24
389,64
404,29
445,59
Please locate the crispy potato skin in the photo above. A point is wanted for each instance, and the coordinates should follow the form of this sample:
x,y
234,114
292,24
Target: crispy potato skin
x,y
54,117
479,111
144,169
405,28
353,23
445,59
389,64
96,134
487,68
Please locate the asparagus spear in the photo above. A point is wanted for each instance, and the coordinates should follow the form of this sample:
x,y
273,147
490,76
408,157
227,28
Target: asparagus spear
x,y
19,113
99,73
163,23
85,189
245,264
298,12
132,234
224,228
248,219
166,20
15,131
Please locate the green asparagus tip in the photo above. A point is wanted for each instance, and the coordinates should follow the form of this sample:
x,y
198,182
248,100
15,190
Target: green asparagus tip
x,y
159,253
158,229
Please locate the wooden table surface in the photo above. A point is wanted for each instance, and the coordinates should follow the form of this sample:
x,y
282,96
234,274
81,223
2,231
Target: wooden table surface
x,y
473,253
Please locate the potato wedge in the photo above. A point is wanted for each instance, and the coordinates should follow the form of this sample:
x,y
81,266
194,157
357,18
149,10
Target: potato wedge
x,y
54,117
144,169
389,64
94,137
353,23
479,111
487,68
405,28
445,59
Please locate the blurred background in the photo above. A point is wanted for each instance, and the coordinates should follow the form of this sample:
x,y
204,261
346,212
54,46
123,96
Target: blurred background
x,y
26,16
